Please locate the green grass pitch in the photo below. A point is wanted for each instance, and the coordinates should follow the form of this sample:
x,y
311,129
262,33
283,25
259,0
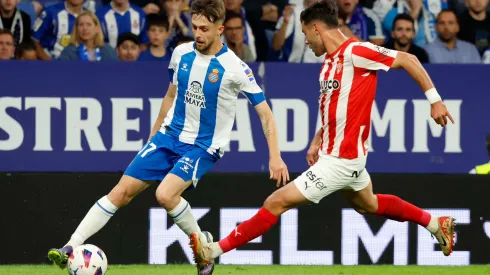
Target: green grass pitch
x,y
259,270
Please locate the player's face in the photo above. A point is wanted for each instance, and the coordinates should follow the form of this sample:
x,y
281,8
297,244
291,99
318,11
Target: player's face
x,y
128,51
8,5
205,32
477,6
157,35
312,39
447,26
87,28
403,33
347,6
6,47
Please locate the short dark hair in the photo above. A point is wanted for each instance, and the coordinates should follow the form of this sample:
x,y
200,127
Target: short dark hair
x,y
157,20
213,10
127,36
444,11
325,11
402,16
27,45
7,32
232,15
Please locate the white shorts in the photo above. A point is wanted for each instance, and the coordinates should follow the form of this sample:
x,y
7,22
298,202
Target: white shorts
x,y
330,174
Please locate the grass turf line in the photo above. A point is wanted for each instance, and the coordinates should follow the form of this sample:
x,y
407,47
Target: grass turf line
x,y
259,270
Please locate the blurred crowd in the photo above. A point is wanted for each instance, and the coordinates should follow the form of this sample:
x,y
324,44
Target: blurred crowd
x,y
436,31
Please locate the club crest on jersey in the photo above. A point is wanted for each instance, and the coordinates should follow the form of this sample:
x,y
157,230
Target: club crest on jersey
x,y
213,77
327,86
339,67
195,96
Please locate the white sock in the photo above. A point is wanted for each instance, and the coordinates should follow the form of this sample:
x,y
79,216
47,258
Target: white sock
x,y
216,250
95,219
183,217
433,224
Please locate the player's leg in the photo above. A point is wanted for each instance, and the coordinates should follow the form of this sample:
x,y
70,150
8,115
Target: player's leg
x,y
319,181
364,201
150,164
98,216
186,173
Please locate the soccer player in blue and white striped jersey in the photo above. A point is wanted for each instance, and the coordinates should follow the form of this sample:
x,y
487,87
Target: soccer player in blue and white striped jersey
x,y
192,128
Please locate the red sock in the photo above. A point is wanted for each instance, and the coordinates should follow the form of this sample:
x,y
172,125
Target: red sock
x,y
394,208
249,230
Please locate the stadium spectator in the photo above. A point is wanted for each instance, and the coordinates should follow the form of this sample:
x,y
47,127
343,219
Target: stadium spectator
x,y
26,51
15,20
402,37
483,169
119,17
363,22
157,34
128,47
32,8
248,38
185,39
475,24
424,12
179,22
234,36
87,41
7,44
447,48
289,38
53,28
148,6
262,15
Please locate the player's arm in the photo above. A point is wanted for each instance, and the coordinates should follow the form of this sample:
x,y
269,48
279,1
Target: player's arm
x,y
312,154
278,169
371,57
414,68
164,108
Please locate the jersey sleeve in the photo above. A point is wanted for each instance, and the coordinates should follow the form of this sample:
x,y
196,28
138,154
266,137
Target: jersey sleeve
x,y
101,16
43,25
371,57
173,66
143,29
248,86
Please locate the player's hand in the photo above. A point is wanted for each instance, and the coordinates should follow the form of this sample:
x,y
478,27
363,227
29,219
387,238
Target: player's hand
x,y
439,113
278,171
312,155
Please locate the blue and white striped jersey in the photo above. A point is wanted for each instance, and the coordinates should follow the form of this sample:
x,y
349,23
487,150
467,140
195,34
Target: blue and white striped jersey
x,y
53,28
203,111
115,23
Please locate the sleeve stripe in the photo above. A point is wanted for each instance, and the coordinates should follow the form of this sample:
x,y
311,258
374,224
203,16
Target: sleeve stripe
x,y
171,73
256,98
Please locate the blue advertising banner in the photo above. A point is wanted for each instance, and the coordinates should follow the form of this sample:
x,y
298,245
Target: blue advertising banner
x,y
82,117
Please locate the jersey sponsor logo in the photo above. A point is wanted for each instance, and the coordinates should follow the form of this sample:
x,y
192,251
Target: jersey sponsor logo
x,y
195,96
329,85
315,180
213,77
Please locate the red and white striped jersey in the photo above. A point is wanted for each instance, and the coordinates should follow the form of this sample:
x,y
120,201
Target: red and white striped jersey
x,y
348,86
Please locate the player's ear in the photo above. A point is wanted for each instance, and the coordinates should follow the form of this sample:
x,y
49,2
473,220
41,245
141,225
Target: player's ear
x,y
221,29
315,28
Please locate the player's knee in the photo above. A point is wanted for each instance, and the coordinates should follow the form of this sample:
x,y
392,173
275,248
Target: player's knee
x,y
167,200
275,204
120,197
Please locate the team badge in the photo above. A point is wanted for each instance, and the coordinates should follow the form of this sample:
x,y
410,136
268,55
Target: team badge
x,y
339,67
65,40
213,77
136,24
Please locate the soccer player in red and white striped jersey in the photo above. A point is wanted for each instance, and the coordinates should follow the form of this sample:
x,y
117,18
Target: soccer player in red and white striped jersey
x,y
338,153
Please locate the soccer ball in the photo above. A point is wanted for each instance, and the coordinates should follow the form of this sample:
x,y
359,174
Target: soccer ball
x,y
87,259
